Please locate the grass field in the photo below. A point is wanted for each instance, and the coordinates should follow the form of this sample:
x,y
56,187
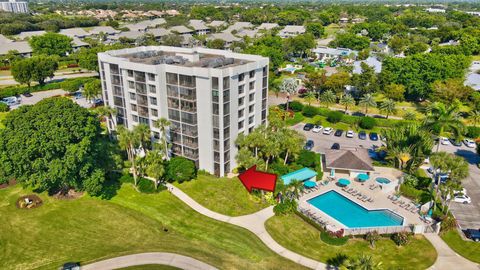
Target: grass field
x,y
468,249
222,195
88,229
296,235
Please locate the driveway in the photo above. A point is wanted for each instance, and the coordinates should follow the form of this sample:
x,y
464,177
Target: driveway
x,y
324,142
39,96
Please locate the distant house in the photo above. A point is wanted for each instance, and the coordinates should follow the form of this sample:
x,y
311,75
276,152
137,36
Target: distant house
x,y
217,24
22,47
158,33
292,31
351,162
29,34
182,30
435,10
229,38
343,20
237,26
128,35
77,44
74,32
108,30
199,27
248,33
142,26
267,26
324,53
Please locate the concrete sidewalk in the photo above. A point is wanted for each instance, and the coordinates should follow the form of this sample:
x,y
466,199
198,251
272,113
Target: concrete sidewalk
x,y
161,258
447,258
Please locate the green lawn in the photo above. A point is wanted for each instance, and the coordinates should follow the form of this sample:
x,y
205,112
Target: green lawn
x,y
150,267
296,235
468,249
89,229
2,117
222,195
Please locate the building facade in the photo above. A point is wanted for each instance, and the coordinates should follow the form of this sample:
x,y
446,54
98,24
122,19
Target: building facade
x,y
14,6
210,96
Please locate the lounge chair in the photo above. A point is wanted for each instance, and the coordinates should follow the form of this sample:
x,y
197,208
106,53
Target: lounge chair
x,y
354,192
414,210
370,200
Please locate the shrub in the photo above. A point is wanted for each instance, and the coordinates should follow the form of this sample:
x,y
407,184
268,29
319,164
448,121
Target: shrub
x,y
297,118
473,132
410,180
401,238
334,117
278,167
180,169
4,107
333,240
411,192
285,207
307,158
448,223
309,111
295,106
367,122
317,120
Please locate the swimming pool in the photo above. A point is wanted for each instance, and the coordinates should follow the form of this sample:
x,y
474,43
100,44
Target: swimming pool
x,y
352,214
382,180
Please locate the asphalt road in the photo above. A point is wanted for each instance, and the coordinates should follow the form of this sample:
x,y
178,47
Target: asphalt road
x,y
467,215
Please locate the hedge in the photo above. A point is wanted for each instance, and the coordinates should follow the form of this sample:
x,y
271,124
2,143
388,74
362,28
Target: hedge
x,y
473,132
367,122
309,111
4,107
334,117
295,106
334,241
17,90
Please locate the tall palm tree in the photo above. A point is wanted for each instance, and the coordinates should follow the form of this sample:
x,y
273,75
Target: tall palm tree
x,y
441,118
367,101
347,100
143,134
162,124
475,116
310,97
409,115
291,141
388,106
297,187
129,141
362,262
328,97
270,150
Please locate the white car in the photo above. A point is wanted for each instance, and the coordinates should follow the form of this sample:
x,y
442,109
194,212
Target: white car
x,y
350,134
317,129
444,141
327,131
469,143
462,199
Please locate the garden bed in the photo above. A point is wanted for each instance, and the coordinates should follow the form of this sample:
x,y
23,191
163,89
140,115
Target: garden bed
x,y
29,202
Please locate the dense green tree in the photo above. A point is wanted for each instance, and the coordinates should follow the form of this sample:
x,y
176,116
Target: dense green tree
x,y
92,89
366,81
51,44
172,40
155,166
22,72
337,82
310,97
315,28
398,44
300,44
351,41
52,146
180,169
216,44
37,68
450,90
376,30
417,47
395,92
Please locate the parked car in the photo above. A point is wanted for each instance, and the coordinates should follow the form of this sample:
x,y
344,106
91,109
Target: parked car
x,y
309,145
317,129
373,136
338,133
78,95
462,199
308,127
473,234
335,146
469,143
70,266
444,141
455,142
97,102
11,101
27,94
362,135
350,134
327,131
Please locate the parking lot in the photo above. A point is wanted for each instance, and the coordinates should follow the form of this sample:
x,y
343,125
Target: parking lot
x,y
467,215
39,96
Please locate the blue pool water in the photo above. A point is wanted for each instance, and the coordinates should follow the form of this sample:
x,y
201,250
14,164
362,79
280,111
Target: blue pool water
x,y
382,180
352,214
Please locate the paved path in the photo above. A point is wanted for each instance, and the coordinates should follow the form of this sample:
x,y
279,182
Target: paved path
x,y
447,258
162,258
254,223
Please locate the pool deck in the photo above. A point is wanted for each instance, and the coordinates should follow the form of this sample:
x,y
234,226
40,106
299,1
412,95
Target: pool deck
x,y
380,201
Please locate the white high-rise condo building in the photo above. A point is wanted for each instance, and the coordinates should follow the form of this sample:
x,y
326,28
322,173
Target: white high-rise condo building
x,y
210,96
14,6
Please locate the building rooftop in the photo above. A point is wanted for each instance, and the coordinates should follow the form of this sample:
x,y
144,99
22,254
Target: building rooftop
x,y
217,23
267,26
294,29
20,46
74,32
143,25
198,25
188,57
103,29
181,29
357,160
28,34
158,32
225,36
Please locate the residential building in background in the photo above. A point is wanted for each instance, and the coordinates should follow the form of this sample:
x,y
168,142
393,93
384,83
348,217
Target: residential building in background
x,y
210,96
14,6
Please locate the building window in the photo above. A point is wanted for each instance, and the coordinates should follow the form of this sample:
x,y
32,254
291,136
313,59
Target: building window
x,y
187,81
172,78
251,108
130,73
265,71
250,120
241,77
152,88
133,107
143,120
226,108
252,74
240,125
241,113
241,89
135,118
226,83
154,112
215,83
153,100
133,96
131,85
240,101
156,135
251,97
151,77
251,85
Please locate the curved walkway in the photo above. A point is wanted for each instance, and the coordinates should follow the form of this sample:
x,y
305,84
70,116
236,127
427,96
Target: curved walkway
x,y
254,223
171,259
447,258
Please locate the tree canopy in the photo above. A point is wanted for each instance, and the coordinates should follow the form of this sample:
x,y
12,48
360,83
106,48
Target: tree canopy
x,y
51,44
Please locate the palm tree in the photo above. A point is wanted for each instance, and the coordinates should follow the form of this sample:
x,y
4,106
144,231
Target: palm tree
x,y
297,187
129,141
291,141
155,166
143,134
347,100
475,116
372,237
362,262
367,101
270,150
310,97
162,124
92,90
410,116
328,97
388,106
441,118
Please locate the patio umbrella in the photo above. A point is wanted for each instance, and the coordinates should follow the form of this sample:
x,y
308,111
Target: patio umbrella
x,y
343,182
309,184
363,177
